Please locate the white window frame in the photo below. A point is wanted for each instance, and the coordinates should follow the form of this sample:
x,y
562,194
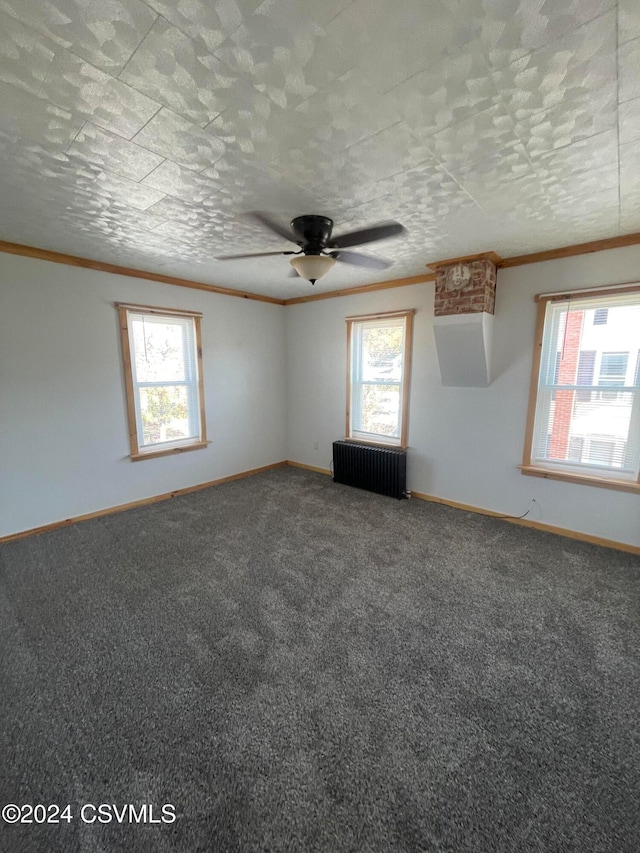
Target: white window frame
x,y
193,382
355,382
624,480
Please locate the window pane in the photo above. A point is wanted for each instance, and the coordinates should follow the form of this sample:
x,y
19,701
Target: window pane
x,y
594,432
586,364
613,368
159,349
379,410
165,413
382,353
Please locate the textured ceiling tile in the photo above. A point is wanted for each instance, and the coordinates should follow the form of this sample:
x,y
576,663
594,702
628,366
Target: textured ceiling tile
x,y
327,64
322,60
570,122
428,186
482,135
388,152
25,56
372,205
181,183
195,216
113,153
392,47
246,190
119,215
175,138
24,116
350,218
587,216
274,50
311,166
127,192
503,181
629,120
512,28
192,235
323,12
177,72
586,167
328,107
630,187
104,33
451,91
629,70
628,20
57,175
351,110
109,103
253,126
575,66
630,220
207,23
630,171
241,171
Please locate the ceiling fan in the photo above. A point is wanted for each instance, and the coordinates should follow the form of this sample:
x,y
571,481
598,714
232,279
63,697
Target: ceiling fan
x,y
319,250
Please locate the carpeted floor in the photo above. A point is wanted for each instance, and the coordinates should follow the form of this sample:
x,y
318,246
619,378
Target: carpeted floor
x,y
296,665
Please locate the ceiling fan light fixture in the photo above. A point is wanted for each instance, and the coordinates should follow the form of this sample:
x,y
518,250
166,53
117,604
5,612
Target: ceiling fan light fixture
x,y
312,267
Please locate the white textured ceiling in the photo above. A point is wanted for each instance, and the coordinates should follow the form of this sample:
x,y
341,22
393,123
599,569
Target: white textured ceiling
x,y
136,133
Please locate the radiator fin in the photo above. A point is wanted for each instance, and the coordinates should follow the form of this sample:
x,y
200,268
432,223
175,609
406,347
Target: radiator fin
x,y
377,469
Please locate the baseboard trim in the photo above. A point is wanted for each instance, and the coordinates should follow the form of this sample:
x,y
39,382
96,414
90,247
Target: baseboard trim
x,y
46,528
523,522
537,525
309,467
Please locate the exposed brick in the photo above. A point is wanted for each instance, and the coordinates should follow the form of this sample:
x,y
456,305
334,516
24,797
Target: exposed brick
x,y
465,288
567,371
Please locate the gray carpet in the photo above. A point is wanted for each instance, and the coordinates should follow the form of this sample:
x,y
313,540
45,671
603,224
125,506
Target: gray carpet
x,y
300,666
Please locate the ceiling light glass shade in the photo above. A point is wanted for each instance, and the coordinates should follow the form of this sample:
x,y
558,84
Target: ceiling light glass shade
x,y
312,267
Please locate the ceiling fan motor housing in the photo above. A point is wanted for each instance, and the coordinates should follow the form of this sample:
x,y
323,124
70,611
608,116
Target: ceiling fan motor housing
x,y
313,232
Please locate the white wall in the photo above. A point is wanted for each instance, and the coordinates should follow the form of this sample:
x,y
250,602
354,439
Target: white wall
x,y
465,443
63,429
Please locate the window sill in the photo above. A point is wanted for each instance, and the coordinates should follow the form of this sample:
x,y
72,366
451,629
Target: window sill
x,y
581,479
371,443
170,451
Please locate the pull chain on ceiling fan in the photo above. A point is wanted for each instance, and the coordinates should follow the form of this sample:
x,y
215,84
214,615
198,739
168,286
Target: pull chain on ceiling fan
x,y
318,249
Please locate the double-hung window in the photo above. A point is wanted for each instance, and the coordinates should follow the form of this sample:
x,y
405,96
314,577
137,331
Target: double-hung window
x,y
379,348
162,354
584,417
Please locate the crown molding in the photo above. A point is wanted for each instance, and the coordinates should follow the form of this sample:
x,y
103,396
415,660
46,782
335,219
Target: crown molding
x,y
571,251
501,263
365,288
114,269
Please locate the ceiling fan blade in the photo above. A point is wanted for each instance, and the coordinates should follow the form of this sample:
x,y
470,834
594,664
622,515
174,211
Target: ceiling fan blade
x,y
252,255
368,235
266,220
359,260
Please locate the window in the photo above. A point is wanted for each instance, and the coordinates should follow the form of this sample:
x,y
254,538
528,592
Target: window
x,y
379,349
586,366
613,372
163,376
600,316
576,430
